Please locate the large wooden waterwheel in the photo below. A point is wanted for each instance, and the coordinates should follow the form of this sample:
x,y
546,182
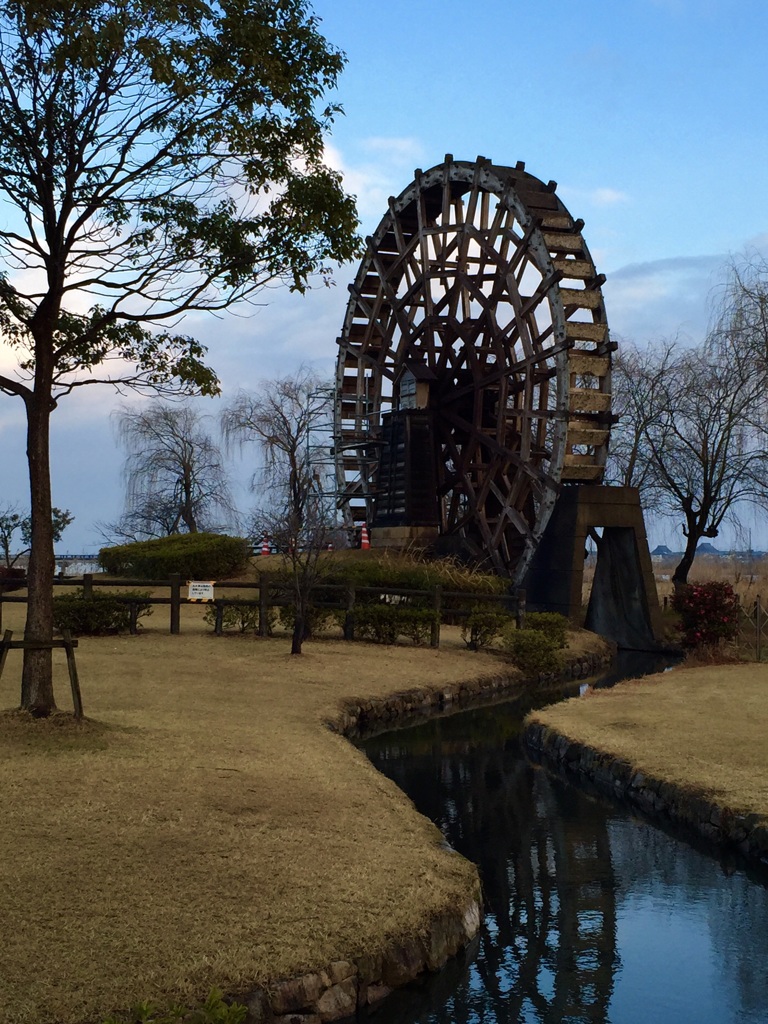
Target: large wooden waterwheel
x,y
473,377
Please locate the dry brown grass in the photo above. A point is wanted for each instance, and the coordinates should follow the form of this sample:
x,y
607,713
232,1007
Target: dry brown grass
x,y
700,728
204,827
748,577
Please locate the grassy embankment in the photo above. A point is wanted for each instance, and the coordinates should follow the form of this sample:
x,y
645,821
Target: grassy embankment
x,y
702,729
205,827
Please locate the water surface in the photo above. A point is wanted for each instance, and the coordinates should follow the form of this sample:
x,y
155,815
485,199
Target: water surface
x,y
591,914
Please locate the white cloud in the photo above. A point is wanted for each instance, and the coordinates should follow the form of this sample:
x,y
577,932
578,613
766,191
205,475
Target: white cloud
x,y
402,149
607,197
374,181
600,196
663,298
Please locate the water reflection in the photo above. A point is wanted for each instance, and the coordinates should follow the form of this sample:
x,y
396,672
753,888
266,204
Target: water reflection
x,y
590,916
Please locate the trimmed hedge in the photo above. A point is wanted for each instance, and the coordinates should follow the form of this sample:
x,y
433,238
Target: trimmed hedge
x,y
99,615
320,620
551,624
235,616
482,626
192,555
409,574
384,623
532,651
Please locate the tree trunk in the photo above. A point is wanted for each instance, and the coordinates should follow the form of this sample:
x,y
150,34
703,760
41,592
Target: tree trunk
x,y
37,674
298,633
680,575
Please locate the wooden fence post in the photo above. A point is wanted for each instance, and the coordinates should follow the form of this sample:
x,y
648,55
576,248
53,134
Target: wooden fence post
x,y
5,647
349,618
87,585
175,603
133,620
219,627
437,605
264,603
520,610
758,630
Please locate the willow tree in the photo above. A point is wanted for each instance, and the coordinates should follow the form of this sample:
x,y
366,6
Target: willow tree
x,y
174,474
157,158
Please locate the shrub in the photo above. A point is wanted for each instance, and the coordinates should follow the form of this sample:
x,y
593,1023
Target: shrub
x,y
98,615
320,620
551,624
482,626
11,578
709,613
240,616
383,623
192,555
412,574
416,623
376,622
532,651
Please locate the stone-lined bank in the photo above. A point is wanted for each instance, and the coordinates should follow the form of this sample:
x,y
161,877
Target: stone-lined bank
x,y
344,987
338,991
365,717
656,798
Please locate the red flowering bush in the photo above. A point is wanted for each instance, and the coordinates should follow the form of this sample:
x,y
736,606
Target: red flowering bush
x,y
709,613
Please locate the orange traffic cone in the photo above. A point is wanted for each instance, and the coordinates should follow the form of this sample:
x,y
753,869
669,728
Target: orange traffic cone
x,y
365,542
265,546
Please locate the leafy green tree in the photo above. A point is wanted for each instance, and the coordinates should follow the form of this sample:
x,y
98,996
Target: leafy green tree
x,y
11,521
156,159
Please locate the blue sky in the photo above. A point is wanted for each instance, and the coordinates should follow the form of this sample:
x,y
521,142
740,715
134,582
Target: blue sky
x,y
650,115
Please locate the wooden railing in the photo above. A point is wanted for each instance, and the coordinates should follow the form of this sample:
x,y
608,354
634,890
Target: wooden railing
x,y
272,591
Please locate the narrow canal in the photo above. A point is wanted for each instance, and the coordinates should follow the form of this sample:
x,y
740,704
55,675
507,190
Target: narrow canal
x,y
591,914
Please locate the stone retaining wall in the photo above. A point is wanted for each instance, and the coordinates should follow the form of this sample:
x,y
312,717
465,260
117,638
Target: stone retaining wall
x,y
345,986
691,810
338,991
359,718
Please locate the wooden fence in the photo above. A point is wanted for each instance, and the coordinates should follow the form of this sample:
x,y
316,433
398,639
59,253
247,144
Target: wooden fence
x,y
753,629
271,591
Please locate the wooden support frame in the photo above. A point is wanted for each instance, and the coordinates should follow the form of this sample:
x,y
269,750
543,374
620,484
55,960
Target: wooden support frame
x,y
556,575
67,643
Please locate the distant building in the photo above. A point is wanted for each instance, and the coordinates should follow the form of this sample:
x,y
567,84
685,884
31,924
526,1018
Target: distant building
x,y
707,549
661,551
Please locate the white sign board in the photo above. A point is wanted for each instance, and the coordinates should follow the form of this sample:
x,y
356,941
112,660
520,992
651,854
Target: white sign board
x,y
200,590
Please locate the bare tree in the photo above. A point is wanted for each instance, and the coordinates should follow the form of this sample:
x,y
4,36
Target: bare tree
x,y
288,422
155,159
302,538
692,439
637,377
175,481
